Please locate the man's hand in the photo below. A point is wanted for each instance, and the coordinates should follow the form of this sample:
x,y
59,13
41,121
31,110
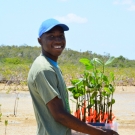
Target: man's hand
x,y
109,132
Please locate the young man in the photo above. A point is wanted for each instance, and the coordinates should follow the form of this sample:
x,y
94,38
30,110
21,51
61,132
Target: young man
x,y
48,89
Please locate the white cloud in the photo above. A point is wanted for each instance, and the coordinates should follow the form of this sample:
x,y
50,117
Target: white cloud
x,y
127,2
71,18
130,4
132,8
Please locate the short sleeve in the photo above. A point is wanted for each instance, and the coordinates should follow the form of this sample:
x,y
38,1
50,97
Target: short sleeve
x,y
46,83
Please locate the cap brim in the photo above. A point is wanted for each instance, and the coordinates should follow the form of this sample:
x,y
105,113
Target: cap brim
x,y
64,27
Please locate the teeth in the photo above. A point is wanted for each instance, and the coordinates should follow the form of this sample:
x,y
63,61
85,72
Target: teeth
x,y
57,47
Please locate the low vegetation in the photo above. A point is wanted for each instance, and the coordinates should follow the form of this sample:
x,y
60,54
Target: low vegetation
x,y
15,62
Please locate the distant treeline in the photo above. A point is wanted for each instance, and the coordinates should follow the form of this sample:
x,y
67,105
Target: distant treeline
x,y
26,54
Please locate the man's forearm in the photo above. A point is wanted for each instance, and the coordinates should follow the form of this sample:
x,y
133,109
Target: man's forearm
x,y
71,122
58,112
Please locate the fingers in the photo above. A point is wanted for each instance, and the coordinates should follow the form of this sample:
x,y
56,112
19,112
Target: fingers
x,y
115,133
110,132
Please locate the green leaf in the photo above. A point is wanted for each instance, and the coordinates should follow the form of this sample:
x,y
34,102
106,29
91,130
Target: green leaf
x,y
107,90
92,101
6,122
111,88
76,95
85,83
100,74
92,80
109,103
94,94
112,76
87,67
98,61
98,86
74,81
80,83
90,86
86,74
105,78
75,90
89,106
81,90
70,88
86,62
110,60
104,93
92,89
113,101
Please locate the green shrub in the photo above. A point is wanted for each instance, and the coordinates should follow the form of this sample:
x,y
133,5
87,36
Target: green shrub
x,y
12,61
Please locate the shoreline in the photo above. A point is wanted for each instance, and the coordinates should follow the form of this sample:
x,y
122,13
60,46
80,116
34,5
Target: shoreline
x,y
24,88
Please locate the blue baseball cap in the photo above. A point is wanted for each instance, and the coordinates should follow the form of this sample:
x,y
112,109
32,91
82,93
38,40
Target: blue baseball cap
x,y
49,24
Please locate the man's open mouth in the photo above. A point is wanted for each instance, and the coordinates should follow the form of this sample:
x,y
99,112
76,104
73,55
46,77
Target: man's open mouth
x,y
58,47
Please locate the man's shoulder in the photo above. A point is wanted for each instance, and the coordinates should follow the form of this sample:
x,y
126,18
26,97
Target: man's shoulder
x,y
40,64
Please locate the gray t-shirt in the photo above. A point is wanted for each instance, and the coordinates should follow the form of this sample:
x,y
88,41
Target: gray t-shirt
x,y
45,82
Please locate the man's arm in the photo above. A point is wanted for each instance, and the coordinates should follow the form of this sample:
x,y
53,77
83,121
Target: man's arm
x,y
56,108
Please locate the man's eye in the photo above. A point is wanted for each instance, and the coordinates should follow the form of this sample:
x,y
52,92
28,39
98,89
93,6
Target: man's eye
x,y
51,36
62,36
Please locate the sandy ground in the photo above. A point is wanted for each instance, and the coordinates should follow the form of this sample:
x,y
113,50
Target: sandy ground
x,y
24,123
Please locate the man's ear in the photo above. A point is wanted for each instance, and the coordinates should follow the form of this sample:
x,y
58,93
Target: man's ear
x,y
39,41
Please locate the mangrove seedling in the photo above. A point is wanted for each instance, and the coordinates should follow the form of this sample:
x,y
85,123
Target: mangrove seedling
x,y
6,123
16,104
94,92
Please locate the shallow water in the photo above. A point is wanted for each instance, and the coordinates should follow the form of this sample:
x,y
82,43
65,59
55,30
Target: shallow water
x,y
12,95
124,108
124,102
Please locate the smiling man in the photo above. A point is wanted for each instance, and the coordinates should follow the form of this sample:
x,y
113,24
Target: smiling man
x,y
48,89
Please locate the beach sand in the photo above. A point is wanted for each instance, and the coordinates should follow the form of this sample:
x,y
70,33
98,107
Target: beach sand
x,y
24,123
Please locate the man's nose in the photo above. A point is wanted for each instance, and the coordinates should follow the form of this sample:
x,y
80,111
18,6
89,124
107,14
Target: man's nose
x,y
58,39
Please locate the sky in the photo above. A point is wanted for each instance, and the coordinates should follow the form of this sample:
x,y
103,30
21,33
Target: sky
x,y
105,27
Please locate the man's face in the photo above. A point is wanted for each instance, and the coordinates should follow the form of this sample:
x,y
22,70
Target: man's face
x,y
53,42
